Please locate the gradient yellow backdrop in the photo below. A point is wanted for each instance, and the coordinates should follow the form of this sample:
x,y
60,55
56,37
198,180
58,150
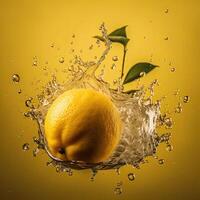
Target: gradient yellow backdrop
x,y
28,28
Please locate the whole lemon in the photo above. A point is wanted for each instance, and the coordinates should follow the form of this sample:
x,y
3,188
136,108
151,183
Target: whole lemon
x,y
82,125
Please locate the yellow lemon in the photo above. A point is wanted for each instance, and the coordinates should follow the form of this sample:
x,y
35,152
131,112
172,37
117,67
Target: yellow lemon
x,y
82,125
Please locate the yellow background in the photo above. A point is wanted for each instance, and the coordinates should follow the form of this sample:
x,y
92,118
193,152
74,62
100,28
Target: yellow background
x,y
28,28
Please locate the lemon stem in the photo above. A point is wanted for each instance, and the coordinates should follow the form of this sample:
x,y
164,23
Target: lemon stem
x,y
123,62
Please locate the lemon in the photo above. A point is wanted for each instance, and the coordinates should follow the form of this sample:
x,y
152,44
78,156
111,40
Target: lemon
x,y
82,125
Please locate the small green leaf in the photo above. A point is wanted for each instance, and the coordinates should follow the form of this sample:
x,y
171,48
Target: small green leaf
x,y
118,36
119,32
135,71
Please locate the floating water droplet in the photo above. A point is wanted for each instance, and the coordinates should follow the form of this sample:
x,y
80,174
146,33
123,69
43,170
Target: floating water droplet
x,y
169,147
52,45
28,103
113,66
142,74
166,38
73,35
91,47
176,92
178,109
115,58
15,78
35,63
27,114
166,10
186,99
35,152
25,147
19,91
114,81
168,122
62,60
173,69
131,177
161,161
118,188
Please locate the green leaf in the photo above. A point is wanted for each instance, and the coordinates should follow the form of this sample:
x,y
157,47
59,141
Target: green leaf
x,y
135,71
118,36
119,32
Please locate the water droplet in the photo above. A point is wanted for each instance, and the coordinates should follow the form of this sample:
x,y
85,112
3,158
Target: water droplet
x,y
142,74
118,190
73,35
20,91
168,122
62,60
52,45
115,58
161,161
169,147
28,103
25,147
173,69
186,99
27,114
91,47
176,92
113,66
166,38
131,177
35,152
178,109
35,63
114,81
15,78
166,10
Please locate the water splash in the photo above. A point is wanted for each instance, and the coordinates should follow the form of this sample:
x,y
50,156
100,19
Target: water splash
x,y
139,113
